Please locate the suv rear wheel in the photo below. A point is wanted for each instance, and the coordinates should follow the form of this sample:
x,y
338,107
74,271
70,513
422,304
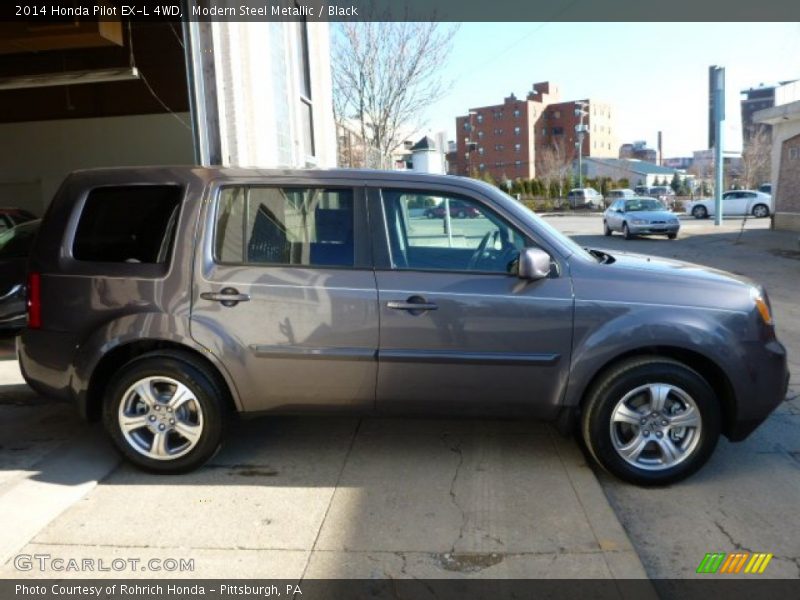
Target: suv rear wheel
x,y
164,413
651,421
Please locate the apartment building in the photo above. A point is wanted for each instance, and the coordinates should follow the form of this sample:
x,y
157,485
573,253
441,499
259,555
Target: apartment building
x,y
525,136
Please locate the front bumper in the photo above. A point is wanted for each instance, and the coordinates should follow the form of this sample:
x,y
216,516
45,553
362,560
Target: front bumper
x,y
654,229
771,370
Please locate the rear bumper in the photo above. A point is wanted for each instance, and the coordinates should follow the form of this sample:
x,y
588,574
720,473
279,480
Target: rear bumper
x,y
45,359
771,373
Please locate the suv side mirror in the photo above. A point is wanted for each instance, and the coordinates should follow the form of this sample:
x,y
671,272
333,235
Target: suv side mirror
x,y
534,263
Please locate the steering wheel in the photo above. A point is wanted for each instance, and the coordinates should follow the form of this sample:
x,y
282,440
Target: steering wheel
x,y
478,254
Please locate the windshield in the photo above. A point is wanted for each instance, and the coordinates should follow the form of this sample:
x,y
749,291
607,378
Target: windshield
x,y
643,204
550,231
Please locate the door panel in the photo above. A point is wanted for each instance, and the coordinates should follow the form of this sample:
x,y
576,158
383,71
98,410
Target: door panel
x,y
304,332
734,203
483,341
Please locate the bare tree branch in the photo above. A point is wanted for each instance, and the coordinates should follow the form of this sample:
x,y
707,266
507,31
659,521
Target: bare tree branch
x,y
384,76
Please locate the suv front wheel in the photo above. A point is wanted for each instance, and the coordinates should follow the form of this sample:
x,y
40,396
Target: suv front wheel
x,y
164,413
651,421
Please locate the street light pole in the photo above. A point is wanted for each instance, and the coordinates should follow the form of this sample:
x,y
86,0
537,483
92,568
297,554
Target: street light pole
x,y
581,110
719,116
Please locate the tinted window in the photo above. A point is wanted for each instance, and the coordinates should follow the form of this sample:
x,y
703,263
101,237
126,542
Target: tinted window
x,y
478,240
285,226
133,224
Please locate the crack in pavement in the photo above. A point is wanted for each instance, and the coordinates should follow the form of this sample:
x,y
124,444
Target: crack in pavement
x,y
453,496
732,541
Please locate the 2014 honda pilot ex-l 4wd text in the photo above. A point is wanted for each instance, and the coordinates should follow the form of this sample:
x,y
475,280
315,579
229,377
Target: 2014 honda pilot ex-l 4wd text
x,y
162,300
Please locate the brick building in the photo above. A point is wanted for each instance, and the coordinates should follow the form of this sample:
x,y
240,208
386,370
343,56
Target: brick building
x,y
523,137
785,122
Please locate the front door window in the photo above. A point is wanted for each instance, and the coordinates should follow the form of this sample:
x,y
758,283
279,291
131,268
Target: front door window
x,y
430,231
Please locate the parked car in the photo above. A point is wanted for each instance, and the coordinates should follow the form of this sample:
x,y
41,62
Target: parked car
x,y
734,203
162,299
616,194
458,210
15,244
11,217
640,216
585,198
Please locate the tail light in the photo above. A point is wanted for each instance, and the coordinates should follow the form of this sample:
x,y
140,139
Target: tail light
x,y
34,301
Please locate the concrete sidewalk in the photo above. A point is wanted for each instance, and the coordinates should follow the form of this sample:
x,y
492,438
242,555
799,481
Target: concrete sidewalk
x,y
314,498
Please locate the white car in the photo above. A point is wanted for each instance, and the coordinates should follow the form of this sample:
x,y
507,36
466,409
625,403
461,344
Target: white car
x,y
585,198
734,203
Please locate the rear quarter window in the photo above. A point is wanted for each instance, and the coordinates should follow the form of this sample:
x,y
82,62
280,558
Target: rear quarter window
x,y
128,224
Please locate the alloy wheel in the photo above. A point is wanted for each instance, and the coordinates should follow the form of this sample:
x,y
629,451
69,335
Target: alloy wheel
x,y
656,426
160,418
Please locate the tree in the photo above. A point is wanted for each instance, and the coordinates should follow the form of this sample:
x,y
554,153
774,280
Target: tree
x,y
554,165
675,184
385,74
756,157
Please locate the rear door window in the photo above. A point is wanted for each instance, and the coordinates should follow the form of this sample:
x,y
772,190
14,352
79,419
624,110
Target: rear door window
x,y
285,226
128,224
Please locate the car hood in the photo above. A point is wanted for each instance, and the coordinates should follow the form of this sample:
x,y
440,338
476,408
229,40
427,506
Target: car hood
x,y
655,264
636,278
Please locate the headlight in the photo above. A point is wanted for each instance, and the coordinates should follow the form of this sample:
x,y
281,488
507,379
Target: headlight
x,y
761,305
640,221
673,222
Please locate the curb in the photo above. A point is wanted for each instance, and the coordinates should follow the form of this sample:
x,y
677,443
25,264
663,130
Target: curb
x,y
621,557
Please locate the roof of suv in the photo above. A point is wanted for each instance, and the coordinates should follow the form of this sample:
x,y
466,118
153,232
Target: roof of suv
x,y
217,172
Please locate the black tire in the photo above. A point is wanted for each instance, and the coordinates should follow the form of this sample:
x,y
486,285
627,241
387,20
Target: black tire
x,y
672,236
700,212
626,232
606,229
760,211
430,214
206,388
596,418
461,215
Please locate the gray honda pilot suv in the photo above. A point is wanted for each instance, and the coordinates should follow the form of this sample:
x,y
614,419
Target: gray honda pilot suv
x,y
162,300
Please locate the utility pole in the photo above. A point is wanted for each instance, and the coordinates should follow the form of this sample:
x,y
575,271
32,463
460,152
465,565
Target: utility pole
x,y
582,111
718,88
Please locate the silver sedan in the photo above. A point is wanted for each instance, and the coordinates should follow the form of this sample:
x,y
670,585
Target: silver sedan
x,y
640,216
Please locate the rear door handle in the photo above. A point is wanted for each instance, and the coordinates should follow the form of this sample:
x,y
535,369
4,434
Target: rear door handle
x,y
416,305
226,296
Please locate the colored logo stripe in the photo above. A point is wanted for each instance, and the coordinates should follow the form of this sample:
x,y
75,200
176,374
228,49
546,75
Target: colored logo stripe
x,y
758,563
720,562
711,562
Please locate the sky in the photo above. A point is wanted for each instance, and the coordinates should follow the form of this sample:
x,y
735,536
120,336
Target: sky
x,y
654,74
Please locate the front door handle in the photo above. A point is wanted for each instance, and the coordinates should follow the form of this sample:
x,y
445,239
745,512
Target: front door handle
x,y
226,296
416,305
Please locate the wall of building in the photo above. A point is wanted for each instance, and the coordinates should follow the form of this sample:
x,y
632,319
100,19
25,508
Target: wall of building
x,y
35,156
786,174
428,161
260,90
789,92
